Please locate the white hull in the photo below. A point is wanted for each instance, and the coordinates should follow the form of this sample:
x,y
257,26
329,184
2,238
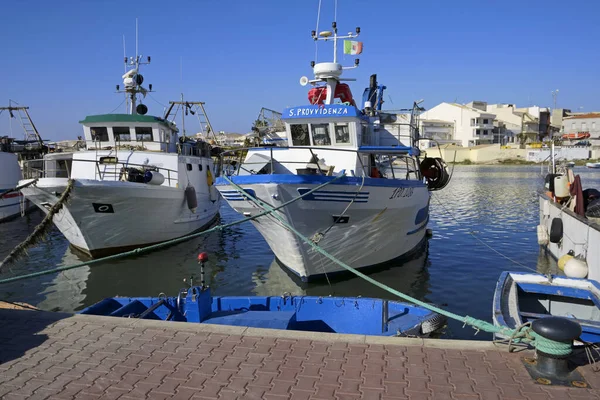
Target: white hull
x,y
103,217
580,235
381,226
10,173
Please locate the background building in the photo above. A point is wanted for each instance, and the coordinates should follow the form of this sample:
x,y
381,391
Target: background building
x,y
472,126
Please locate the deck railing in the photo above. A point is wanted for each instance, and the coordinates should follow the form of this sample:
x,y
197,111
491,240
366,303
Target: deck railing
x,y
395,165
115,172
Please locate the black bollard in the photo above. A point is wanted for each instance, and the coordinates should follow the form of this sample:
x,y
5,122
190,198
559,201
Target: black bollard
x,y
550,367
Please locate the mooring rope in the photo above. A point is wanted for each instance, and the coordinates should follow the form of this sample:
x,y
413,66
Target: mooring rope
x,y
40,231
523,334
159,245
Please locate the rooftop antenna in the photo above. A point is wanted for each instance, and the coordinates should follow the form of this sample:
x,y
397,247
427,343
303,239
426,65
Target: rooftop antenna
x,y
133,80
330,72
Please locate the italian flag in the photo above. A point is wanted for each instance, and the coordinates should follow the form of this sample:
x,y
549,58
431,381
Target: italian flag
x,y
352,47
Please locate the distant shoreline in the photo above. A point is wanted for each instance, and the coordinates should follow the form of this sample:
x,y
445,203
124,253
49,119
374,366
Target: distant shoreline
x,y
578,163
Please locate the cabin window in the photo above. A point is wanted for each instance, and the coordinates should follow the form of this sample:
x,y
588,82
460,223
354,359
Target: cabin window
x,y
143,133
109,160
320,135
121,133
300,135
342,134
189,167
99,133
199,167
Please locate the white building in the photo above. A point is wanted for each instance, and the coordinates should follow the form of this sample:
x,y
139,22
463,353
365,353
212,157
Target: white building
x,y
438,131
583,123
472,126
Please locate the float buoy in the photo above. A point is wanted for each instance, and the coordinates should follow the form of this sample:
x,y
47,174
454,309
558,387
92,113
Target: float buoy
x,y
542,235
563,260
576,268
556,230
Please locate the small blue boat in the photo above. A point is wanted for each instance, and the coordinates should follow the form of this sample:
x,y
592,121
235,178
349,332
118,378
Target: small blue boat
x,y
524,297
354,315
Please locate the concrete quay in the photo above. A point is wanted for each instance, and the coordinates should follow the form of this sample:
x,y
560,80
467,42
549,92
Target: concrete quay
x,y
46,355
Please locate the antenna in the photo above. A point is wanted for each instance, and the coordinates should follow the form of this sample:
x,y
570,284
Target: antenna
x,y
136,40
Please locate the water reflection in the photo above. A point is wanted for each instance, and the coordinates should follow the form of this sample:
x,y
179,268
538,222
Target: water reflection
x,y
498,205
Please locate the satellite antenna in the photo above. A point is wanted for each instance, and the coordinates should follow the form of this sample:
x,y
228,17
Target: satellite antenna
x,y
303,81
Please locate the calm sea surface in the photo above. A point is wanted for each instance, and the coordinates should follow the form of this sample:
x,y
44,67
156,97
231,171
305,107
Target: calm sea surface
x,y
497,204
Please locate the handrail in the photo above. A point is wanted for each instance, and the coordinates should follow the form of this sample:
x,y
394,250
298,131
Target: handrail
x,y
237,155
98,174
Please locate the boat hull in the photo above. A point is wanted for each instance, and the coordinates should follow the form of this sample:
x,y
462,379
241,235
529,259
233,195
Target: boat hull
x,y
375,226
10,173
579,235
302,313
521,297
108,217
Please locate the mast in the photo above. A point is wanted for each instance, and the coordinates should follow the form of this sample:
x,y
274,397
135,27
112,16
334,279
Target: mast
x,y
183,116
330,72
132,79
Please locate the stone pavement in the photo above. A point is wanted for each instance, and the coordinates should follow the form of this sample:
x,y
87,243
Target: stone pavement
x,y
47,355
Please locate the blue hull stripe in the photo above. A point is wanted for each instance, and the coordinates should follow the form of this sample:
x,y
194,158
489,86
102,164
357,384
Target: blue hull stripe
x,y
10,205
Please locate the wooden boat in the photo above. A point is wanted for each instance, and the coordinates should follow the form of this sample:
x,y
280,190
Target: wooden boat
x,y
354,315
522,297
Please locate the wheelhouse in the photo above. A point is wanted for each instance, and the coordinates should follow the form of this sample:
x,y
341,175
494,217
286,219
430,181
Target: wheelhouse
x,y
115,131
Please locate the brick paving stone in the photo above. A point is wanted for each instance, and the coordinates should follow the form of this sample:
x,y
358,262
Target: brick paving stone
x,y
118,360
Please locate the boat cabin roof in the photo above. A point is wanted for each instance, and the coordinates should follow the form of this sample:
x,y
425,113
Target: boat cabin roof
x,y
145,132
133,118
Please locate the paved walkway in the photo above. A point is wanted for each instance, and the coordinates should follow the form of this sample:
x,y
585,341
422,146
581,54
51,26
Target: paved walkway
x,y
59,356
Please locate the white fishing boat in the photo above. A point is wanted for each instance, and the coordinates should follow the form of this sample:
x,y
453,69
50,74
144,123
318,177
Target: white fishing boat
x,y
10,174
137,182
13,153
569,226
361,216
593,165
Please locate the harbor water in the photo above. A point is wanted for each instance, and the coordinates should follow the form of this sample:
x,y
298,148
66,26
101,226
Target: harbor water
x,y
483,223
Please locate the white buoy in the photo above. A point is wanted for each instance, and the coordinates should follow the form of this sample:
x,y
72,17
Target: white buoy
x,y
576,268
542,234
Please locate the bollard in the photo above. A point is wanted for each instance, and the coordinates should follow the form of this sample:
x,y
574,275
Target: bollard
x,y
554,345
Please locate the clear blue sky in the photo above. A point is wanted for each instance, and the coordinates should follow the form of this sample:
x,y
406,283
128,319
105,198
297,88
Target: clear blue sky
x,y
64,58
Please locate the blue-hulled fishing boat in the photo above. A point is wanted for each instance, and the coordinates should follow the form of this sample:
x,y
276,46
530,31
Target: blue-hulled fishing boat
x,y
524,297
354,315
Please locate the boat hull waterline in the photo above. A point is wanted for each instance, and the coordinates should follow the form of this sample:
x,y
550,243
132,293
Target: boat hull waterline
x,y
108,217
385,221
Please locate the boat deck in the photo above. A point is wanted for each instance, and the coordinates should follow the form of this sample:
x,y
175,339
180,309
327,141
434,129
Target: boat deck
x,y
46,355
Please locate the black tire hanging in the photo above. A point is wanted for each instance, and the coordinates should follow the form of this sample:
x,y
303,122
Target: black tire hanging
x,y
556,230
435,172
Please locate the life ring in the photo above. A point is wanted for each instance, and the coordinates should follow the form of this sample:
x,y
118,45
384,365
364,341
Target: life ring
x,y
209,177
346,103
